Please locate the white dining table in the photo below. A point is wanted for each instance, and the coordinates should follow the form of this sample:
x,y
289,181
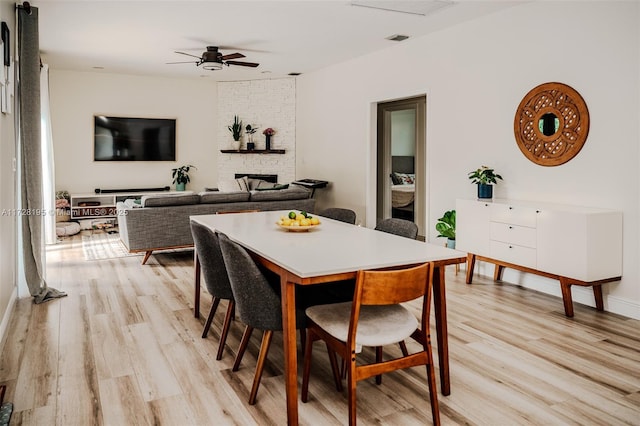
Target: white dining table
x,y
330,252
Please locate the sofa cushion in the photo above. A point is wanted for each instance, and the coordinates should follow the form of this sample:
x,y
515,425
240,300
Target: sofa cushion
x,y
215,197
169,200
293,193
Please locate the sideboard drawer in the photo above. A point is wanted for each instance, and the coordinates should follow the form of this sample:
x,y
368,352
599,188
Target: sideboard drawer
x,y
512,253
513,234
514,214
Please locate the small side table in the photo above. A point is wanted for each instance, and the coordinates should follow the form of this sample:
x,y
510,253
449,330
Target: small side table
x,y
311,183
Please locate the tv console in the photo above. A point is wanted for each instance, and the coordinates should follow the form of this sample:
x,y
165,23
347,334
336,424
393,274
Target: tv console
x,y
102,204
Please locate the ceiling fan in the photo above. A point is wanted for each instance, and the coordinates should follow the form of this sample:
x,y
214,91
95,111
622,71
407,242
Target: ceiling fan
x,y
212,59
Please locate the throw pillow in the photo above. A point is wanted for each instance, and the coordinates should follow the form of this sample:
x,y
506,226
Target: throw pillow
x,y
260,184
395,179
240,184
406,178
273,188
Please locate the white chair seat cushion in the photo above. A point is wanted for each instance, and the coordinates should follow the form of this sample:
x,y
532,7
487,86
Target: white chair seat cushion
x,y
377,325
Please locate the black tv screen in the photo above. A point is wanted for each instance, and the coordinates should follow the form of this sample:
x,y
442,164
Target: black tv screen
x,y
134,139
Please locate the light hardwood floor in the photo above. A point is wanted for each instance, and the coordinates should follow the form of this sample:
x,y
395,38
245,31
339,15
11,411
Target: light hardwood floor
x,y
124,349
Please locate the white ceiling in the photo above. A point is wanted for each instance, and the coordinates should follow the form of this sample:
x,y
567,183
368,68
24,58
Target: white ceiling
x,y
140,37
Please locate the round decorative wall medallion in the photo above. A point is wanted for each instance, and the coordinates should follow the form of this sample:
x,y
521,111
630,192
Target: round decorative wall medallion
x,y
551,124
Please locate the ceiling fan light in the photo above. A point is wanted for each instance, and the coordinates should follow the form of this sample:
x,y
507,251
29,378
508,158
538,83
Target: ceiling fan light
x,y
212,66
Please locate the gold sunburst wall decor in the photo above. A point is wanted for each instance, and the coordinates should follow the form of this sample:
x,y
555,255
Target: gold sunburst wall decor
x,y
551,124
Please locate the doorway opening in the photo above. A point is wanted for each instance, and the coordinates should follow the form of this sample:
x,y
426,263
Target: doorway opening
x,y
400,163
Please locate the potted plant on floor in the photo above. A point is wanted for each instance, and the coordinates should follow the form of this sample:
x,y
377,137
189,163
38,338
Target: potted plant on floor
x,y
181,176
236,131
484,177
446,227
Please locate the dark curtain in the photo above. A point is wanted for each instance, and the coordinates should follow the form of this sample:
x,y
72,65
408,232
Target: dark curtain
x,y
29,139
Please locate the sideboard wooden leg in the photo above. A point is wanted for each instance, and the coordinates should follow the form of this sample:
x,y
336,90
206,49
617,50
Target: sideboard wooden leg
x,y
566,296
147,255
471,263
497,273
597,293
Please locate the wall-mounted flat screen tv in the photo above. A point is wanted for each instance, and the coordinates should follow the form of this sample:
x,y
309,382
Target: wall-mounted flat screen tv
x,y
134,139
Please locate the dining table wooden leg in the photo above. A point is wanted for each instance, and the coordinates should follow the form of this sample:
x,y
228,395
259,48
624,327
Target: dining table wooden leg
x,y
440,307
289,339
196,284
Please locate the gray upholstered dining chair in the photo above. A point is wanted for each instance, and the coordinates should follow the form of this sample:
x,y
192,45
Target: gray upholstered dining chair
x,y
337,213
402,227
257,302
210,259
376,317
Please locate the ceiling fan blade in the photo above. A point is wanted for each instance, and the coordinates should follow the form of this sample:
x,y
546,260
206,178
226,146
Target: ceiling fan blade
x,y
188,54
236,55
184,62
243,64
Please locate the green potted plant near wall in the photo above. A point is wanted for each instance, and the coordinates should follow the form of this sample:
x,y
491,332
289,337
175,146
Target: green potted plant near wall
x,y
236,131
446,227
181,176
484,177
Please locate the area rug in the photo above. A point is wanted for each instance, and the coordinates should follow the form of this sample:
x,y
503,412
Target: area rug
x,y
101,245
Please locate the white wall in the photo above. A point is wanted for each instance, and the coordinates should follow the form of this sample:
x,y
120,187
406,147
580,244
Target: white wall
x,y
77,96
8,223
474,76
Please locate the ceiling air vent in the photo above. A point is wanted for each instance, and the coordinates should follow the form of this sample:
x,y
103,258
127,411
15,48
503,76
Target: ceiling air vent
x,y
397,37
294,73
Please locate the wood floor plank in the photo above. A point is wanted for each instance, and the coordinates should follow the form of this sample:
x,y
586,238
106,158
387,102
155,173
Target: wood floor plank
x,y
124,348
36,383
14,344
155,377
77,376
123,403
109,347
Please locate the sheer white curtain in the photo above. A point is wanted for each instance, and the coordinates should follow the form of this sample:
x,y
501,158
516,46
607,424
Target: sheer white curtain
x,y
48,170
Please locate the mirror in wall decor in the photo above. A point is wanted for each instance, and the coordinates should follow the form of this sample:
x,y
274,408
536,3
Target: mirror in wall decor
x,y
551,124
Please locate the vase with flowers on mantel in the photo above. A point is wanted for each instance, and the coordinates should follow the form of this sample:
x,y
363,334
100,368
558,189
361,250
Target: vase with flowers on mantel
x,y
268,132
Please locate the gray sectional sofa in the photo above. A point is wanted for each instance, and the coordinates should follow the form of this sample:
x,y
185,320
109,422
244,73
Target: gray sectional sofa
x,y
161,222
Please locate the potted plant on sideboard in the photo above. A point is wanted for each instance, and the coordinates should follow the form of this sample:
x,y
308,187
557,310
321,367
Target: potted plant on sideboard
x,y
446,227
181,176
236,131
484,177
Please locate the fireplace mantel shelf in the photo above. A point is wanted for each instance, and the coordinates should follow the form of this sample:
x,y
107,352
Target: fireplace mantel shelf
x,y
253,151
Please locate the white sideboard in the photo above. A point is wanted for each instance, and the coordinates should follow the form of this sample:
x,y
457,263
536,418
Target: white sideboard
x,y
575,245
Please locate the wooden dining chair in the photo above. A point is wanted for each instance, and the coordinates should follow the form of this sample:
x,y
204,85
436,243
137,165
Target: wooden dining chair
x,y
375,318
209,260
341,214
257,302
402,227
